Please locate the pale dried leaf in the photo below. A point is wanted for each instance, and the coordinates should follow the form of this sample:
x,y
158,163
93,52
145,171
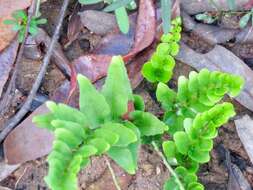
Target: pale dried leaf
x,y
244,127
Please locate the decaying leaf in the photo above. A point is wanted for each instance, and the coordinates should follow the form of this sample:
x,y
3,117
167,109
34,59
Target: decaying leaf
x,y
244,127
98,22
236,179
6,170
194,7
27,142
145,29
74,26
7,59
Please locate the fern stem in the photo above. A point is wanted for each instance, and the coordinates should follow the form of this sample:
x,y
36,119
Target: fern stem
x,y
172,172
113,175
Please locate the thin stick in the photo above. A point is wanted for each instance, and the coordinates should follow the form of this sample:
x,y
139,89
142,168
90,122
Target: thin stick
x,y
181,187
113,174
24,109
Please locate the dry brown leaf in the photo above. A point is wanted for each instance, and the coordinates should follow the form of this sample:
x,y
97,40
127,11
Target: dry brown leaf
x,y
6,33
8,6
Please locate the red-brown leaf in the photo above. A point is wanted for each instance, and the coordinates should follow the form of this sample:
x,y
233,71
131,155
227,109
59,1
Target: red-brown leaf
x,y
7,59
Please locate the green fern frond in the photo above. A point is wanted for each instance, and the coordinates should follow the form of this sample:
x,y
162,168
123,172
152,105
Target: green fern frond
x,y
97,128
191,147
197,94
160,67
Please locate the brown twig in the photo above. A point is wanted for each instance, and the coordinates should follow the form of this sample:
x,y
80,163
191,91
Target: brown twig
x,y
24,109
6,100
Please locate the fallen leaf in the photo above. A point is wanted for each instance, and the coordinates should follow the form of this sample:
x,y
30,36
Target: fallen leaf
x,y
7,59
6,33
4,188
236,179
134,68
244,127
98,22
221,59
28,142
74,27
7,7
6,170
210,33
116,43
93,66
145,28
193,7
58,56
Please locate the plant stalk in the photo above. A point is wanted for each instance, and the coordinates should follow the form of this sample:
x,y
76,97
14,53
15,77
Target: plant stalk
x,y
172,172
113,174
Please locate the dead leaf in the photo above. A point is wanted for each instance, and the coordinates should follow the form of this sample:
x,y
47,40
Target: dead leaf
x,y
210,33
58,56
7,7
116,43
221,59
28,142
6,33
93,66
244,127
134,68
6,170
145,28
98,22
193,7
74,26
236,179
7,59
4,188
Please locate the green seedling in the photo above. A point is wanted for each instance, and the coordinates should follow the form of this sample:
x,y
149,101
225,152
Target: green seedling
x,y
119,7
206,18
111,122
19,23
246,18
160,67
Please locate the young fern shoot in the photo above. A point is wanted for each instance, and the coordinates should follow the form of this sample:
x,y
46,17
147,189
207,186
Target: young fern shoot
x,y
104,124
160,67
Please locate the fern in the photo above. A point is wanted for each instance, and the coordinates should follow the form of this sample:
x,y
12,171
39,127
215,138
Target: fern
x,y
160,67
191,147
197,94
103,125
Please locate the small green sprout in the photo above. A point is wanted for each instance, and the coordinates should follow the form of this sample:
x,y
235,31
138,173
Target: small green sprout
x,y
245,19
119,7
206,18
19,23
160,67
